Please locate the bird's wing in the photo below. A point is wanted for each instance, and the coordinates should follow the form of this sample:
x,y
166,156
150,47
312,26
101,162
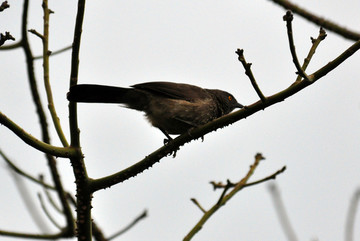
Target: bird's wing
x,y
174,90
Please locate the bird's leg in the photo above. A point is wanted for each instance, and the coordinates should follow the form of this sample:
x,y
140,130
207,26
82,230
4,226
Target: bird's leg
x,y
166,141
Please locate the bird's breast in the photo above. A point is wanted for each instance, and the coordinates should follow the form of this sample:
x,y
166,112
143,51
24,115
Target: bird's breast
x,y
177,116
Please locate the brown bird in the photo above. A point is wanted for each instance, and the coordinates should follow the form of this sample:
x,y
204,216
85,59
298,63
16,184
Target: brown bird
x,y
172,107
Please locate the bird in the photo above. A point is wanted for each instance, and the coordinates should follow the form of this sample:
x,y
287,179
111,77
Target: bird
x,y
174,108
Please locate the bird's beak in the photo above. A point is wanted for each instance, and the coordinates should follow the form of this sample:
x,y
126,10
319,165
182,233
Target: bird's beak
x,y
238,105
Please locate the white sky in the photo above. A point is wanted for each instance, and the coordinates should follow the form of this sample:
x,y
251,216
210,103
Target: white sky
x,y
314,133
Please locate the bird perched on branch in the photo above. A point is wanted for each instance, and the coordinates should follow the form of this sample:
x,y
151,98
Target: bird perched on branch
x,y
172,107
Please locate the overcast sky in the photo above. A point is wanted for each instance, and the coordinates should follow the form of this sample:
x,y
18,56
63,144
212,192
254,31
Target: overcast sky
x,y
315,133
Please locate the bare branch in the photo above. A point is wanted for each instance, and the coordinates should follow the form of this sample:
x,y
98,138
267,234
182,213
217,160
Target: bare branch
x,y
29,202
11,46
48,195
37,144
17,170
226,197
54,52
281,212
33,236
129,226
350,220
46,67
52,220
84,192
315,43
327,24
36,33
248,72
217,185
288,18
198,205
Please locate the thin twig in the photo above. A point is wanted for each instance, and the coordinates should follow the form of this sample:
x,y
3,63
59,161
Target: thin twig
x,y
46,67
327,24
29,202
15,45
36,33
198,205
33,236
53,52
350,219
70,227
270,177
281,212
248,72
288,17
336,62
226,188
239,186
37,144
315,44
130,225
52,220
17,170
48,196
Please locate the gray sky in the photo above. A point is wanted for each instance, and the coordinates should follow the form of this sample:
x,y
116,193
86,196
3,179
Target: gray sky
x,y
314,133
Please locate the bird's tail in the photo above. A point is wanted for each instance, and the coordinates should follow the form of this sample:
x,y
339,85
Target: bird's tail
x,y
107,94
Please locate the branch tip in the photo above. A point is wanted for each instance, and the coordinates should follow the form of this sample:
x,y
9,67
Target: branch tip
x,y
4,6
288,17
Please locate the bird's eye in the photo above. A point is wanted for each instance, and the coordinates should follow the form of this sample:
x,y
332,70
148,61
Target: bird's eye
x,y
230,98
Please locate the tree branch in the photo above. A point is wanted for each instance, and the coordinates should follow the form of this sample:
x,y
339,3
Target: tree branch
x,y
281,212
288,17
83,192
223,121
37,144
327,24
248,72
224,198
46,68
33,236
130,225
53,52
24,174
350,219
